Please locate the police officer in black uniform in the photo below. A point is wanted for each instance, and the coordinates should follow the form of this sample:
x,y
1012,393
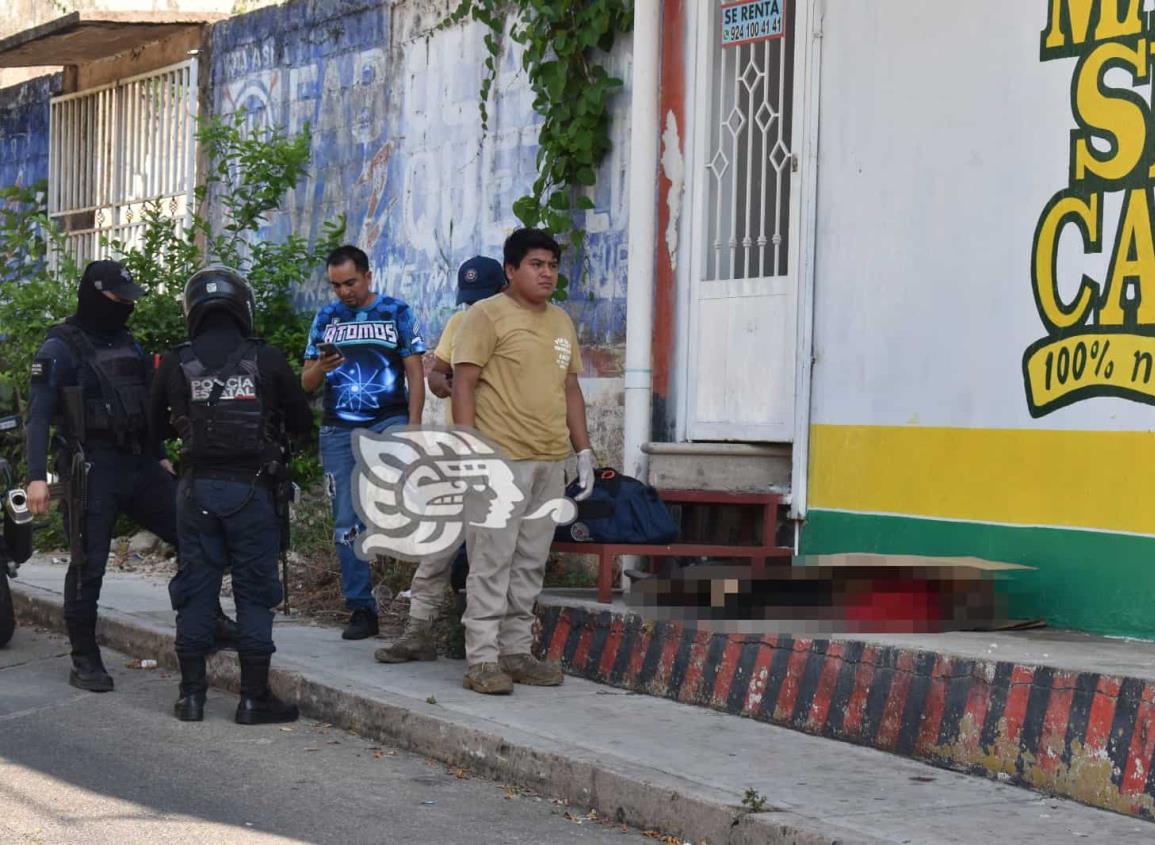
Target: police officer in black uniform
x,y
128,472
231,400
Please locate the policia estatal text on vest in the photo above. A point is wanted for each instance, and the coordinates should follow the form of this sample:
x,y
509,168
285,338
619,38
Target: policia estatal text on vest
x,y
232,401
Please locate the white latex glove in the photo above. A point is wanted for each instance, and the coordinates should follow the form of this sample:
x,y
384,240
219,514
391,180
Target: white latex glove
x,y
585,461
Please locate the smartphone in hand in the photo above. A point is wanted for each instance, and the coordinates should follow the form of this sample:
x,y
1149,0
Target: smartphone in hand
x,y
328,349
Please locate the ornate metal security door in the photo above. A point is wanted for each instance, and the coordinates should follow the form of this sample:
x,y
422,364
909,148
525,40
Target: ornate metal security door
x,y
744,285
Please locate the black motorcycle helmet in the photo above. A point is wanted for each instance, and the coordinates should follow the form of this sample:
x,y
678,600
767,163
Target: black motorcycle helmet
x,y
218,287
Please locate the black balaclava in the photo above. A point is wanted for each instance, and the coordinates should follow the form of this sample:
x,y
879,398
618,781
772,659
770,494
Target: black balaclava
x,y
218,321
218,334
96,312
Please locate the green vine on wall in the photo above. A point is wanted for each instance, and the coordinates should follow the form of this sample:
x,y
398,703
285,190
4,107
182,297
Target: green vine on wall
x,y
565,44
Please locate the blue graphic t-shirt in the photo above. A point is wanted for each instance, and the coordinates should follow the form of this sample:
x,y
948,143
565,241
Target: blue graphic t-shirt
x,y
370,385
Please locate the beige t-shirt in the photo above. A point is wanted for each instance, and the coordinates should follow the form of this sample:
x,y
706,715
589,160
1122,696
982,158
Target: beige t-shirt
x,y
525,356
444,351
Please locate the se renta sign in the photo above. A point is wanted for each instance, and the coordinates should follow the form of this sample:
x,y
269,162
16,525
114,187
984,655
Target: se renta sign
x,y
751,20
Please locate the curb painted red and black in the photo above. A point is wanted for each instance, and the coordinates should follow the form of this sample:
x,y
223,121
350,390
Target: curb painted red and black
x,y
1086,736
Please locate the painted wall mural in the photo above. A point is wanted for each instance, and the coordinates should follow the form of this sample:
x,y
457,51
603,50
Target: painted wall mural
x,y
24,131
398,147
1100,341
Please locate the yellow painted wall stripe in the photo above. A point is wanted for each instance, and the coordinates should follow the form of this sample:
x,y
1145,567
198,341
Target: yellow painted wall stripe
x,y
1086,479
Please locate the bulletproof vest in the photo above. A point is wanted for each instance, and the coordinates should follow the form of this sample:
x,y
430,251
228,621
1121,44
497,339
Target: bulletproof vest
x,y
226,418
114,377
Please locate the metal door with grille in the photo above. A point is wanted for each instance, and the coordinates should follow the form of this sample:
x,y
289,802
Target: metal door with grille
x,y
115,148
743,296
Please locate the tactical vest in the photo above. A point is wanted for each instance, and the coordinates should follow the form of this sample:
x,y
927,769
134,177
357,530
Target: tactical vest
x,y
226,419
114,377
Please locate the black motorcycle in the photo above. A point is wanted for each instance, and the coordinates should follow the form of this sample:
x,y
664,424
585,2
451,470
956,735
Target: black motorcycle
x,y
16,539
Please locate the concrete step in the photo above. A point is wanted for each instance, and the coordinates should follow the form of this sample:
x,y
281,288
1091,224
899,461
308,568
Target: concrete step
x,y
733,467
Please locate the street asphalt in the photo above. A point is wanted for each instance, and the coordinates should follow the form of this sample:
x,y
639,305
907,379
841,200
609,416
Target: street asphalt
x,y
78,767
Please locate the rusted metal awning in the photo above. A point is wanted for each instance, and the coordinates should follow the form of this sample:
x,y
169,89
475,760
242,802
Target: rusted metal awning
x,y
87,36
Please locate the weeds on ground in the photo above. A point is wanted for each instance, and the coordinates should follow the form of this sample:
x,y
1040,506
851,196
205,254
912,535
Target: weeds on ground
x,y
753,800
569,571
314,570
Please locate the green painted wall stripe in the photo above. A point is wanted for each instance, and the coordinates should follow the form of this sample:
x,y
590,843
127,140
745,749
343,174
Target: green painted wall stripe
x,y
1090,581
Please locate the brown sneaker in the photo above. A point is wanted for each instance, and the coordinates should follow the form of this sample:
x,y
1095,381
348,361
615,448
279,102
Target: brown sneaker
x,y
417,643
488,679
527,669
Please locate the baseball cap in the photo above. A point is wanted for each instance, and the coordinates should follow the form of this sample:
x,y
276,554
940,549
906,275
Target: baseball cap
x,y
479,278
111,276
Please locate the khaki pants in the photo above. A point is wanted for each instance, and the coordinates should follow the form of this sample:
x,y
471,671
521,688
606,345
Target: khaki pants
x,y
507,564
430,581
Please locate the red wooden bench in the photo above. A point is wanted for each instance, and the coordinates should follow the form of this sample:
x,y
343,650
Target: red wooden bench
x,y
757,554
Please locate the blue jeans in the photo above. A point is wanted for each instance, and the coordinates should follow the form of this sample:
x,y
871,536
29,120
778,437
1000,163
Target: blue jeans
x,y
339,462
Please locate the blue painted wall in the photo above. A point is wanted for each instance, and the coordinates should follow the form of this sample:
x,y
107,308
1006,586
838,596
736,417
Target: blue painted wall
x,y
398,147
24,130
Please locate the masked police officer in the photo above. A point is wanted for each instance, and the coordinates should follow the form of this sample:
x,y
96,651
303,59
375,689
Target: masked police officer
x,y
92,364
231,400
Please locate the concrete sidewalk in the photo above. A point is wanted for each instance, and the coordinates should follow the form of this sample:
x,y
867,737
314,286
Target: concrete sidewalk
x,y
1065,713
649,762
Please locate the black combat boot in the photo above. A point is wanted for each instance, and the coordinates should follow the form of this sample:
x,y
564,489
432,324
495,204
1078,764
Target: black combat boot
x,y
190,707
258,705
88,672
362,625
226,631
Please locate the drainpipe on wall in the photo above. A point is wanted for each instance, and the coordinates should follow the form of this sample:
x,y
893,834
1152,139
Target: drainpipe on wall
x,y
644,142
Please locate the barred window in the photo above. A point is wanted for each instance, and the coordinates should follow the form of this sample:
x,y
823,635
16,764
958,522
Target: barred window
x,y
749,161
115,148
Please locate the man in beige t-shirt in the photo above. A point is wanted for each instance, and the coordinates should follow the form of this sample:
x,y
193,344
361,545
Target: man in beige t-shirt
x,y
477,279
515,379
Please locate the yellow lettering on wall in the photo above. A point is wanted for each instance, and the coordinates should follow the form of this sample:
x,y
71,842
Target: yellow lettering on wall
x,y
1100,337
1070,22
1119,114
1077,18
1067,209
1134,259
1151,169
1117,23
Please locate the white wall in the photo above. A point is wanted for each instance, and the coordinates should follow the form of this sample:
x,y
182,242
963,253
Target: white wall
x,y
943,136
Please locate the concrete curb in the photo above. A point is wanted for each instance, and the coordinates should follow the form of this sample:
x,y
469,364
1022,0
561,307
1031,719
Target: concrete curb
x,y
635,795
1087,736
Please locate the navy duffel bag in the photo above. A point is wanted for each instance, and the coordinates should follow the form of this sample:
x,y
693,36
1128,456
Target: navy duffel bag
x,y
620,509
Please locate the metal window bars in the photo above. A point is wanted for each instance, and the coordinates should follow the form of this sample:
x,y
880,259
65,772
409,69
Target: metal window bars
x,y
749,160
116,148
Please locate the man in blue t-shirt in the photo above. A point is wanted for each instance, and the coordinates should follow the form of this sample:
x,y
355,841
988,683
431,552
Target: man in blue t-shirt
x,y
366,349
